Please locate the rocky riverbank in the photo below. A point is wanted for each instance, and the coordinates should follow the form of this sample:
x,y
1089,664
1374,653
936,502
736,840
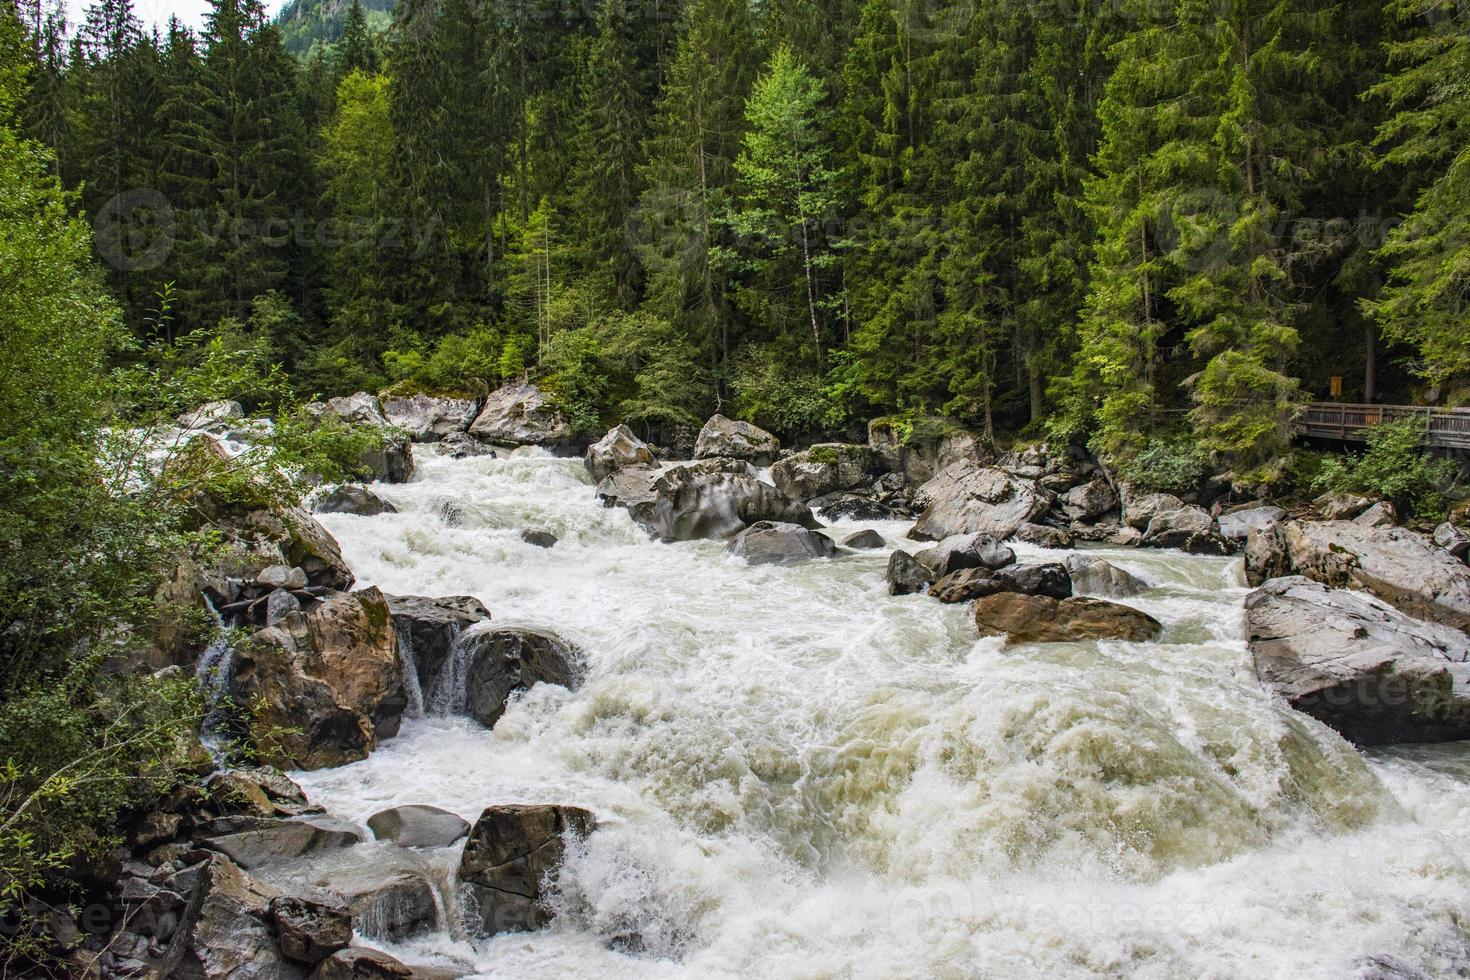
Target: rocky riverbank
x,y
1355,621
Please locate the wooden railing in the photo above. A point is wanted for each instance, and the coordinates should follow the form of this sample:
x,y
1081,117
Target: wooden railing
x,y
1447,427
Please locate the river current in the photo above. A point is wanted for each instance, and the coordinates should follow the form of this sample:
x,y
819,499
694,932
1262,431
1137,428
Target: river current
x,y
797,775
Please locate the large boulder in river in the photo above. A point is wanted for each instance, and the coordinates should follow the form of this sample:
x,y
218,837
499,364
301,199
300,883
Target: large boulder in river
x,y
520,414
1048,579
919,448
631,489
732,439
429,627
907,575
254,842
416,825
1188,528
772,543
1044,536
429,419
323,685
716,499
392,459
504,661
966,498
1401,567
351,498
1238,524
965,551
618,450
1099,577
825,468
1357,664
1139,511
511,859
225,927
1042,619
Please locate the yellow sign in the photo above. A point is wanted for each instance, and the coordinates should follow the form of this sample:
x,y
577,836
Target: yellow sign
x,y
1336,387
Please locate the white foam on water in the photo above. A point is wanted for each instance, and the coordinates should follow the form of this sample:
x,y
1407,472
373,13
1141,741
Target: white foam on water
x,y
797,775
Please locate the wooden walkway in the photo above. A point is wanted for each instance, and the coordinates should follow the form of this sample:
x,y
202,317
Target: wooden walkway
x,y
1449,428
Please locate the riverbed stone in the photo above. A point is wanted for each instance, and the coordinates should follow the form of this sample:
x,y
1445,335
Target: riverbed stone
x,y
716,498
1099,577
618,450
427,628
256,842
520,414
1453,540
226,930
906,574
1381,514
1237,525
311,929
966,498
416,825
1089,501
1401,567
1188,528
919,448
512,853
538,537
323,685
427,418
1336,505
775,543
212,414
503,661
1043,619
733,439
825,468
1043,536
1357,664
352,498
366,963
965,551
866,540
1140,510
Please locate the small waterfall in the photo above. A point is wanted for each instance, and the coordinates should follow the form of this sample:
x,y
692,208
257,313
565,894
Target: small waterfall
x,y
411,688
448,692
212,673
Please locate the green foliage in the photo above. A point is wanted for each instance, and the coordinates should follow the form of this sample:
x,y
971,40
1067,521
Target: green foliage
x,y
576,379
783,397
1166,466
1395,467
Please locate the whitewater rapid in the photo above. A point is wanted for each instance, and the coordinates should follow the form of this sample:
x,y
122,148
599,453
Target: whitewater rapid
x,y
797,775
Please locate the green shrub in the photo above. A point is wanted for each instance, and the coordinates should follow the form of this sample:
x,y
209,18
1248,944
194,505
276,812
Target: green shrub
x,y
1396,468
1165,466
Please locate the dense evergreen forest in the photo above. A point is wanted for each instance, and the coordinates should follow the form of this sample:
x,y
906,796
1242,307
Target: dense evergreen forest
x,y
1116,221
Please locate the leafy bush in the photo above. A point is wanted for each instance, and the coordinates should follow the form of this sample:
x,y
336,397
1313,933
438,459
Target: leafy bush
x,y
777,396
576,379
472,362
1165,466
1396,468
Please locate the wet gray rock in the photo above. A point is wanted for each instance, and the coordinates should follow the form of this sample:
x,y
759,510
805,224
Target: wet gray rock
x,y
513,853
416,825
865,540
722,437
1338,506
351,498
1188,528
427,629
462,445
278,605
1042,619
965,551
1088,501
429,419
632,489
1238,524
1096,576
256,842
280,577
1381,514
618,450
1043,536
1044,578
716,499
504,661
520,414
1453,540
310,929
538,538
917,449
1357,664
906,574
1400,567
358,408
212,414
965,585
773,543
386,904
364,963
966,498
225,930
1139,511
824,469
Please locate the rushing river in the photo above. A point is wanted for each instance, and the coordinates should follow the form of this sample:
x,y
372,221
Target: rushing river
x,y
797,775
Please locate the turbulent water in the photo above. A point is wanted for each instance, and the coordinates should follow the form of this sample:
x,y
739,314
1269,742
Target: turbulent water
x,y
797,775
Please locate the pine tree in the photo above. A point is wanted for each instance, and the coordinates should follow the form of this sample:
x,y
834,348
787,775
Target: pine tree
x,y
357,50
695,137
787,194
1427,301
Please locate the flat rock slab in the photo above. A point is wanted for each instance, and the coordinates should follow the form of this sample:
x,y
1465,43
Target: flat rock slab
x,y
1042,619
1359,665
416,825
